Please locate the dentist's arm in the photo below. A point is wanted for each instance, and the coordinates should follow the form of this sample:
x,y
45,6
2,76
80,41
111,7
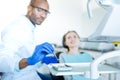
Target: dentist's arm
x,y
23,63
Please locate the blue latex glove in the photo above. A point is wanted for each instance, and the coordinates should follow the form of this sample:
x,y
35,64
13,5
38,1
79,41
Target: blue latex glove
x,y
40,52
50,59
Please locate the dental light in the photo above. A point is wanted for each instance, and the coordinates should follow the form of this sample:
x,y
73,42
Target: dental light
x,y
101,3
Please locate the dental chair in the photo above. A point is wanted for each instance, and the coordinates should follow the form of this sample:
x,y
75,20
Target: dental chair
x,y
94,72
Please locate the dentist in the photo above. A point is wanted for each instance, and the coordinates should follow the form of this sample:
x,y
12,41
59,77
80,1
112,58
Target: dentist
x,y
19,56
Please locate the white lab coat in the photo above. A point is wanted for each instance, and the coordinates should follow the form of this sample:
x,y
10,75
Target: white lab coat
x,y
17,43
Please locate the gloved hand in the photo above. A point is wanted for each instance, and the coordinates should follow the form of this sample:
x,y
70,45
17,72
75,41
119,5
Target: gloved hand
x,y
40,52
49,59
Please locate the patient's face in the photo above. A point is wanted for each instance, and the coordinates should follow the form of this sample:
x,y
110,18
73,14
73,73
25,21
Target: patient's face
x,y
72,40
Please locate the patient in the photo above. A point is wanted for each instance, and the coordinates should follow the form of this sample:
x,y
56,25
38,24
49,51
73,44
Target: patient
x,y
71,42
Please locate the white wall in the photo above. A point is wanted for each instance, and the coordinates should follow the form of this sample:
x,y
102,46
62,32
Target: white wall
x,y
9,10
65,15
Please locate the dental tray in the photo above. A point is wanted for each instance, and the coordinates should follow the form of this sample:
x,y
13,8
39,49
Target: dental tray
x,y
62,67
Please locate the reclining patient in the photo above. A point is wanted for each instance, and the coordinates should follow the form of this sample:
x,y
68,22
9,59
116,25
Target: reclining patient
x,y
71,42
